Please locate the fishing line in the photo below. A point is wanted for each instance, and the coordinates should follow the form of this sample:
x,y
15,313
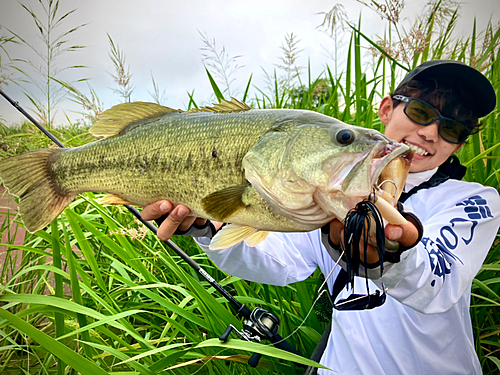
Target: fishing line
x,y
312,306
333,269
316,300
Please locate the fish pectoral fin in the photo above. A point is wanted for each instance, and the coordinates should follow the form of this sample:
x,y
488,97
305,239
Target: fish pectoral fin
x,y
112,199
221,204
233,234
121,116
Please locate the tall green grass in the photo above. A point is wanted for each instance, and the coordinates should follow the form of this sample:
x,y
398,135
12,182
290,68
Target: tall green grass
x,y
125,303
94,293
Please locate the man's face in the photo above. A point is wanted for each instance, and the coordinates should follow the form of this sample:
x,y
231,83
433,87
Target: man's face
x,y
429,148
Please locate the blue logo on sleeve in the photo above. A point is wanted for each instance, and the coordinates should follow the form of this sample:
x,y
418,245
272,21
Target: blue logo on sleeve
x,y
440,250
476,208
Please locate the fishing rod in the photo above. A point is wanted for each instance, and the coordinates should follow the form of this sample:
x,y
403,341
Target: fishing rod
x,y
259,324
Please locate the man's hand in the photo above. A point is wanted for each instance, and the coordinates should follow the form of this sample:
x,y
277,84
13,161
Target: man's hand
x,y
406,235
177,218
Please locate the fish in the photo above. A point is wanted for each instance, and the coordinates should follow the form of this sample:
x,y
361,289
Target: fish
x,y
261,170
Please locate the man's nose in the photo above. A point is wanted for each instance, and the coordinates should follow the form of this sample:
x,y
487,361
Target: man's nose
x,y
430,132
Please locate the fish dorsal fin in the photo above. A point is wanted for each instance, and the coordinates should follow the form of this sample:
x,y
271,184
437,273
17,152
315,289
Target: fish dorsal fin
x,y
225,107
233,234
117,118
221,204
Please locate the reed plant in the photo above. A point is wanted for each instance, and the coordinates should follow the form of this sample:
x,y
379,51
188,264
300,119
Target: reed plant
x,y
95,293
38,72
5,75
222,65
122,75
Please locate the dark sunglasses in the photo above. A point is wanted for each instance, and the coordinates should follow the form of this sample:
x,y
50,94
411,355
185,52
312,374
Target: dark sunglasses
x,y
423,113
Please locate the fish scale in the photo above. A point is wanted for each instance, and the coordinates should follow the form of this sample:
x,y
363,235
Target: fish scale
x,y
177,151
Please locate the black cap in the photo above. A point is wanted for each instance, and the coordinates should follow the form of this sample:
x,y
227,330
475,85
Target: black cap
x,y
480,87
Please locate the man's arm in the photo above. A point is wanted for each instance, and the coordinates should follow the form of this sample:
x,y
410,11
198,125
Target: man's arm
x,y
281,259
460,222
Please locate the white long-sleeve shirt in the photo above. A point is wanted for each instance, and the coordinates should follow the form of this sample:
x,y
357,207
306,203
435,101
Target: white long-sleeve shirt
x,y
424,327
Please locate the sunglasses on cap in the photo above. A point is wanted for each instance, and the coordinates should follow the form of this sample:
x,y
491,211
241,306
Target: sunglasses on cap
x,y
423,113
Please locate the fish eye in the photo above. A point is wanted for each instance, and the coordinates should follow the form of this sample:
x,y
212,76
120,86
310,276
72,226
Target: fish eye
x,y
345,137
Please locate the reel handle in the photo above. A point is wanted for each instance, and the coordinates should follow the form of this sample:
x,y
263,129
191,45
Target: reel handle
x,y
279,343
254,359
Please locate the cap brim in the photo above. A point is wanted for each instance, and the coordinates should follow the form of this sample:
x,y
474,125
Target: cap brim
x,y
477,84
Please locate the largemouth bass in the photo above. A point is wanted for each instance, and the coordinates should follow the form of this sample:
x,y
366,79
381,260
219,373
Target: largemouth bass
x,y
261,170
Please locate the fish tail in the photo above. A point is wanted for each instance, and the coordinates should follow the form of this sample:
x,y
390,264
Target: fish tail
x,y
29,176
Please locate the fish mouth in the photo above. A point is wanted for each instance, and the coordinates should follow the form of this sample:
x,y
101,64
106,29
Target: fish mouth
x,y
390,168
386,161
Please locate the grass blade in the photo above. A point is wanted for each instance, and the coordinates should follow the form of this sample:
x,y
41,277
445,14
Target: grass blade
x,y
216,89
58,317
247,88
79,363
76,291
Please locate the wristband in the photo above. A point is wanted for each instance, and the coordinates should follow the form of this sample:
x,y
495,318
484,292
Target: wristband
x,y
207,230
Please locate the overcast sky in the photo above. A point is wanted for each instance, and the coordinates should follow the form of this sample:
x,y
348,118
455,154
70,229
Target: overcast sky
x,y
161,37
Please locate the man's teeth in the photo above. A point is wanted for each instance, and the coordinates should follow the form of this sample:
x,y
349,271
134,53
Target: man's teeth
x,y
416,149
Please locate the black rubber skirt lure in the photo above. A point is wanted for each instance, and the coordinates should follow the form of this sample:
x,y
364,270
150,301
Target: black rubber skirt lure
x,y
357,226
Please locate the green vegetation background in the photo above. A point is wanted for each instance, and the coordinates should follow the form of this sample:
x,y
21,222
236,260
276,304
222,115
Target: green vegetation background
x,y
95,293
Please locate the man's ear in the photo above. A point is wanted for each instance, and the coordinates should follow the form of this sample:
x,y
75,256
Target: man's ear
x,y
385,110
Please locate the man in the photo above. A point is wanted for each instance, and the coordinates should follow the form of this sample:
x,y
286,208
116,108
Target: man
x,y
424,326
